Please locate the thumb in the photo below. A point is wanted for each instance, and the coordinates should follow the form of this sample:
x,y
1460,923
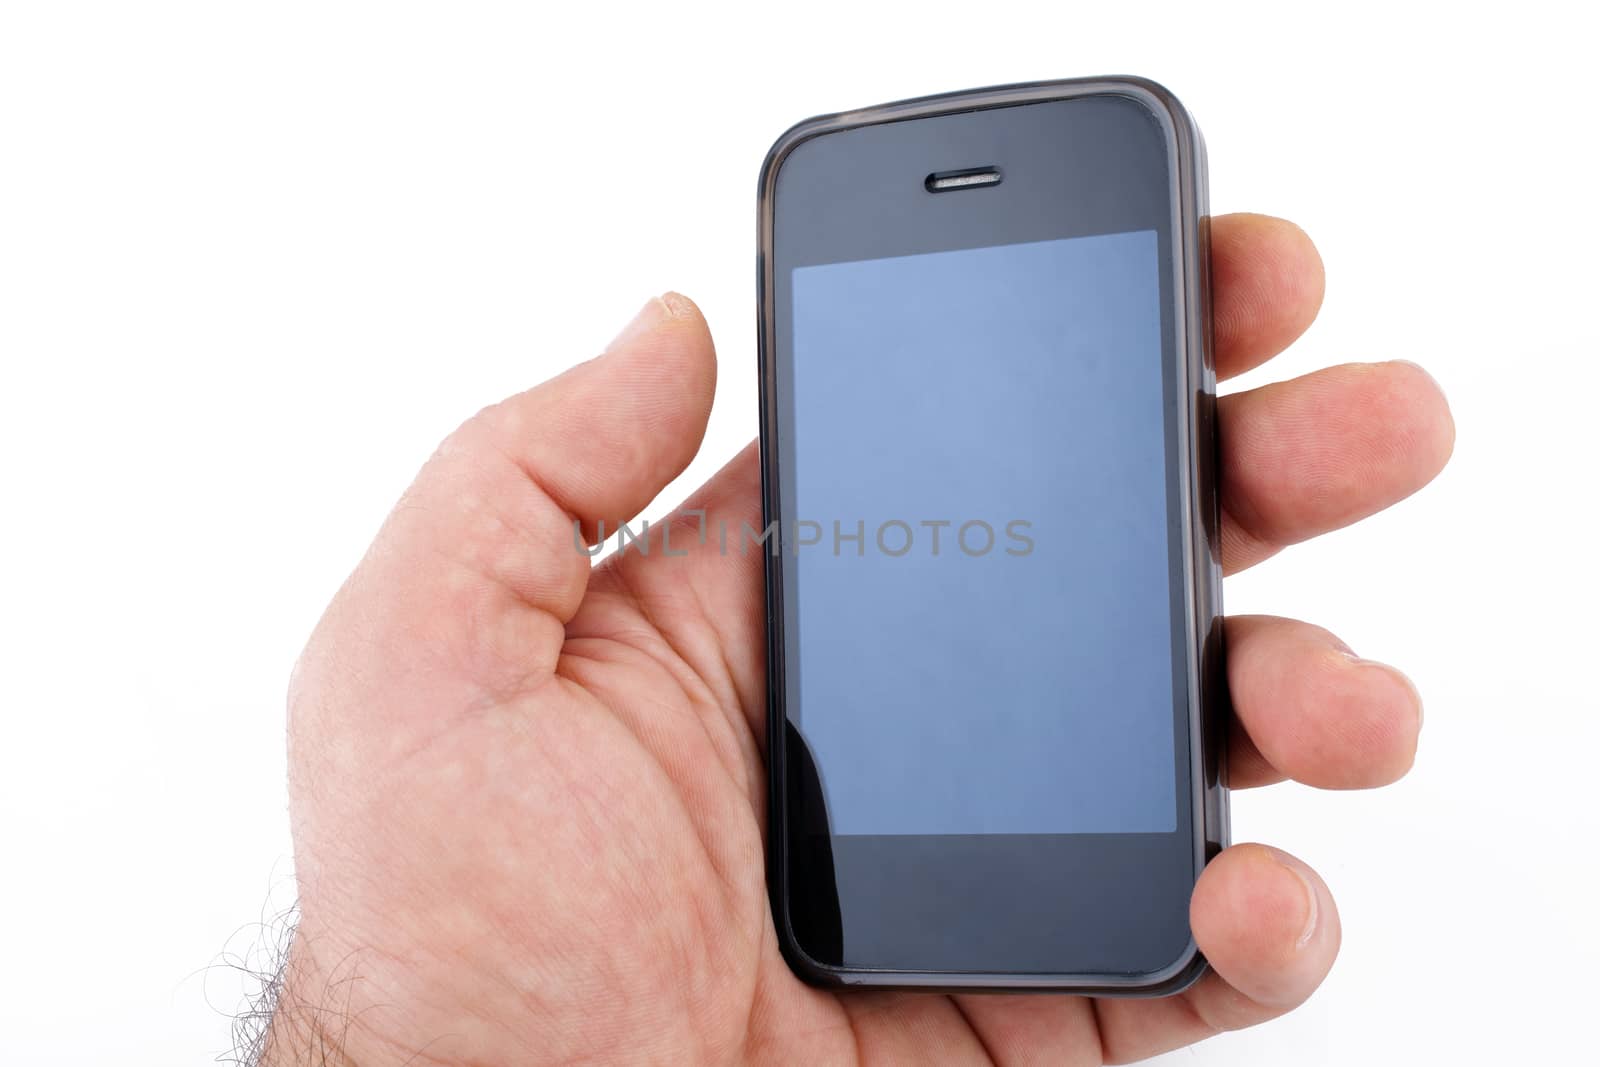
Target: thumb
x,y
466,591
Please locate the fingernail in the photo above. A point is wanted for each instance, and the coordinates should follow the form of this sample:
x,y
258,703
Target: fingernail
x,y
1312,908
1425,373
653,314
1398,675
1405,680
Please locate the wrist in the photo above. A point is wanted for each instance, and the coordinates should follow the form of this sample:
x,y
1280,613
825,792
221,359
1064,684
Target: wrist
x,y
295,1039
307,1022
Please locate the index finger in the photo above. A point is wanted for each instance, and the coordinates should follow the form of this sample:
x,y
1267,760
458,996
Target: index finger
x,y
1266,288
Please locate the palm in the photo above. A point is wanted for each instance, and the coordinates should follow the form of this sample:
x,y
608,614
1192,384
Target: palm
x,y
528,800
695,721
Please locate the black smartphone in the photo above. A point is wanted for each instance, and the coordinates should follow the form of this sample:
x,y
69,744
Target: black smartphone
x,y
993,590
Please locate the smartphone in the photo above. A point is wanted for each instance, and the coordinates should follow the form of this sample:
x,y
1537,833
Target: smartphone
x,y
993,591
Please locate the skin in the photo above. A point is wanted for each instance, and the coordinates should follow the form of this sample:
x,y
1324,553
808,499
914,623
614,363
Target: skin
x,y
527,799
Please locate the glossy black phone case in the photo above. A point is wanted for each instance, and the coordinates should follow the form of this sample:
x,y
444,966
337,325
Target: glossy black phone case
x,y
1199,526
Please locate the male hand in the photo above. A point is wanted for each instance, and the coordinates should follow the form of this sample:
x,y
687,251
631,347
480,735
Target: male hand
x,y
528,797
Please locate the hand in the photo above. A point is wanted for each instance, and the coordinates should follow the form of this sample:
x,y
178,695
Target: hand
x,y
527,799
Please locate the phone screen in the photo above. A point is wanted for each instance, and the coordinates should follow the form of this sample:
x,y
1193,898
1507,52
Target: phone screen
x,y
981,564
982,629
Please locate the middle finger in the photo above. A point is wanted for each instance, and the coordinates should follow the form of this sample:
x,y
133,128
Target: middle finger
x,y
1302,457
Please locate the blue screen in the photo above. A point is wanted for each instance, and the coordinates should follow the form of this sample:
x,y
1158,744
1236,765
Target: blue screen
x,y
981,540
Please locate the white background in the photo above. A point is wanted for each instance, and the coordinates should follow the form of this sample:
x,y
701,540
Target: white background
x,y
256,259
